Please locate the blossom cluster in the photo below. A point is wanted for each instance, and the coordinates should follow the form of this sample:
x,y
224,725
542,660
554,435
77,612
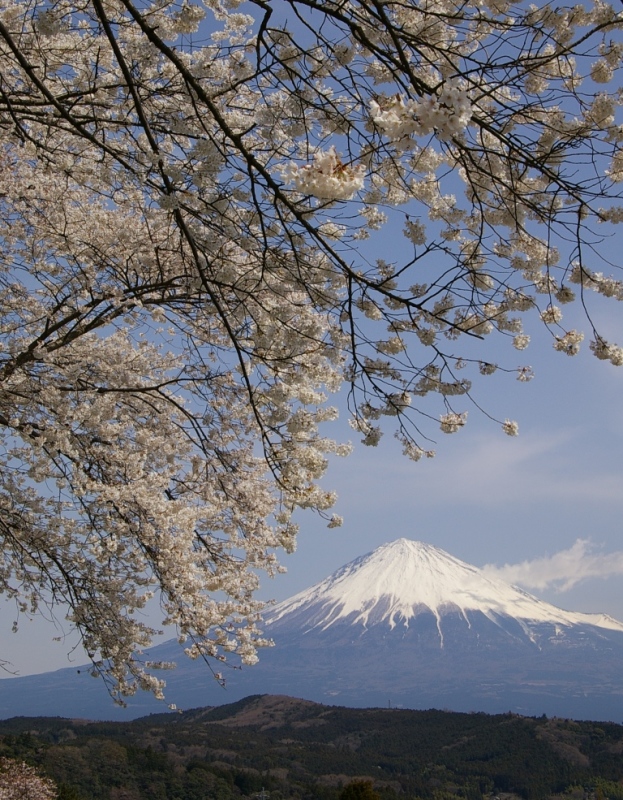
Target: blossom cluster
x,y
327,177
607,352
452,422
510,428
448,114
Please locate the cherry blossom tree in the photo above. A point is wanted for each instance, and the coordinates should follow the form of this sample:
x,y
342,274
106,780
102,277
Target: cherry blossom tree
x,y
20,781
194,202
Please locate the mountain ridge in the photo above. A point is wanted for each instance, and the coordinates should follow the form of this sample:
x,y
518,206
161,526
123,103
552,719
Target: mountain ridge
x,y
285,747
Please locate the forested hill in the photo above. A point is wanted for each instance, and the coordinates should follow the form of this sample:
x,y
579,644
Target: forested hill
x,y
298,749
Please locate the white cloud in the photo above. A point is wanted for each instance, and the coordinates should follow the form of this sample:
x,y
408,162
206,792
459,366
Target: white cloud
x,y
563,570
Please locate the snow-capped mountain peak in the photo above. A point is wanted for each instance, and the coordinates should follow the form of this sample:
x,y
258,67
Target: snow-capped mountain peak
x,y
402,579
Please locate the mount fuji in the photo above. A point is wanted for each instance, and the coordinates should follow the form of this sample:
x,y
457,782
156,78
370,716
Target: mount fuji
x,y
406,625
404,579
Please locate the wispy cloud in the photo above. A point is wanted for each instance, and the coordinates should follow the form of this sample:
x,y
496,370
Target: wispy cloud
x,y
486,470
563,570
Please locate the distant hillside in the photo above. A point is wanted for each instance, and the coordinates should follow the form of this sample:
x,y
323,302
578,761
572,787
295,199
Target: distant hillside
x,y
302,750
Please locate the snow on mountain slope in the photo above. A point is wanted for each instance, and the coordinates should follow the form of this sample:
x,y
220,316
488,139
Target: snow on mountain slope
x,y
401,579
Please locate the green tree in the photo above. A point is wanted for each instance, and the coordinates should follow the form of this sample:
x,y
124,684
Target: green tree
x,y
359,790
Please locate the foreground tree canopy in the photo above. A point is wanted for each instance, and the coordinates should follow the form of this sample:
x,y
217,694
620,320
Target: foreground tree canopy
x,y
194,200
